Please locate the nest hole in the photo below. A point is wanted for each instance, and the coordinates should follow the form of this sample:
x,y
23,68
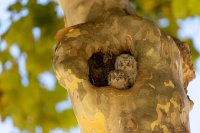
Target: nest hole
x,y
100,64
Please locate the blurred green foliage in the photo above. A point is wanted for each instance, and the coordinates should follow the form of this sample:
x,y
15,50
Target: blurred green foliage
x,y
33,105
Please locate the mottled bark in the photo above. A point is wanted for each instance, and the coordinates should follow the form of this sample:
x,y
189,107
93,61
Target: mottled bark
x,y
80,11
156,103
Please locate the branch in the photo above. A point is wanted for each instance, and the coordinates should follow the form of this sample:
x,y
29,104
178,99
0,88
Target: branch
x,y
81,11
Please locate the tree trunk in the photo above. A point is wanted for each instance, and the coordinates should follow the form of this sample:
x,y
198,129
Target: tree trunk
x,y
157,102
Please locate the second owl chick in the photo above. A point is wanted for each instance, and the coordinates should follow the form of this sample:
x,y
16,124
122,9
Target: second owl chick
x,y
118,79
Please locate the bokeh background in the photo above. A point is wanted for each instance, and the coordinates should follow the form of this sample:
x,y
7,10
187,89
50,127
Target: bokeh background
x,y
31,100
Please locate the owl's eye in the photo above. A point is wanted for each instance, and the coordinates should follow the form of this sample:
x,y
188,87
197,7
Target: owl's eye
x,y
121,64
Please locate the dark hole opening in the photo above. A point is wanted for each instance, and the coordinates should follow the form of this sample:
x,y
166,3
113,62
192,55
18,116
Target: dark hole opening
x,y
100,64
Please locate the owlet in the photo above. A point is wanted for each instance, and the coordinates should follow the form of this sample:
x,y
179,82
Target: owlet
x,y
128,64
118,79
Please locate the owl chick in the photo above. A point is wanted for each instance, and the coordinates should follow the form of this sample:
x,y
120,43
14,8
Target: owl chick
x,y
118,79
128,64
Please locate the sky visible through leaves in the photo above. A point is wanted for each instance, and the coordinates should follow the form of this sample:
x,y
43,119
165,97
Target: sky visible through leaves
x,y
26,45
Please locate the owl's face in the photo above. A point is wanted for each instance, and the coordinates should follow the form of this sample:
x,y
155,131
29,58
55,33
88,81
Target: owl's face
x,y
125,62
118,79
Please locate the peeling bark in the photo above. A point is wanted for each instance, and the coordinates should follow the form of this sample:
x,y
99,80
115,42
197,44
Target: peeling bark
x,y
156,103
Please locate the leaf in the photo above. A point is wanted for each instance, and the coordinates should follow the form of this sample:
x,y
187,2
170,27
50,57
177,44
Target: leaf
x,y
179,8
193,6
146,5
17,7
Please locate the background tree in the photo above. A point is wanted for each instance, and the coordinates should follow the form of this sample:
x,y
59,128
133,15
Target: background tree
x,y
29,104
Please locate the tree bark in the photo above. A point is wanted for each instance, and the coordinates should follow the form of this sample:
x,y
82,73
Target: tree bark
x,y
156,103
81,11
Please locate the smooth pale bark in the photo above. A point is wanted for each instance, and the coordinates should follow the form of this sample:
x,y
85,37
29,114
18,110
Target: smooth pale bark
x,y
156,103
80,11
